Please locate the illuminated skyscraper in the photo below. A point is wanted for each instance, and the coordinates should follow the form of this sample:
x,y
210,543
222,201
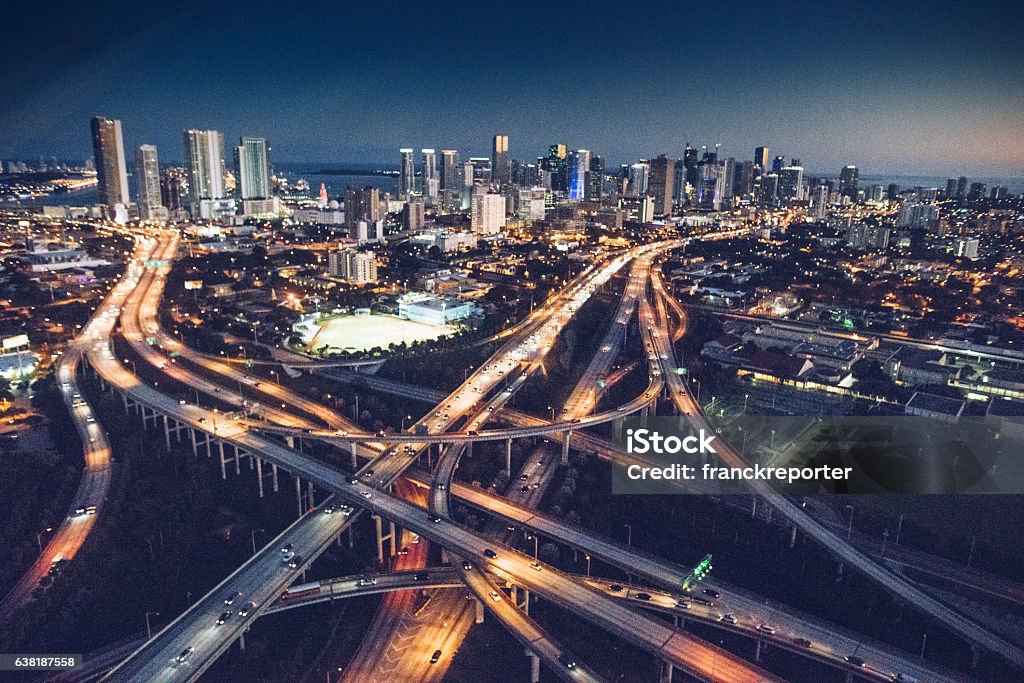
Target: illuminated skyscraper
x,y
639,177
761,158
111,172
595,179
578,173
791,180
450,170
662,184
406,174
848,182
500,168
556,164
252,164
204,154
147,182
961,186
431,183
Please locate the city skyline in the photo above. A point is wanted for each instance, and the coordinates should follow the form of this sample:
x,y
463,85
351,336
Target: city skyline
x,y
836,87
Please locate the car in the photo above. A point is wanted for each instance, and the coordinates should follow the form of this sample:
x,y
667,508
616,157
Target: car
x,y
490,553
467,565
353,481
473,432
436,656
567,661
368,473
404,550
434,518
203,420
615,588
366,494
246,609
287,557
421,576
287,547
765,628
184,655
295,562
524,489
441,486
729,618
683,603
368,581
510,527
524,477
802,642
535,566
79,511
643,596
904,678
855,660
712,593
495,596
415,539
575,421
230,598
224,616
257,384
90,509
329,510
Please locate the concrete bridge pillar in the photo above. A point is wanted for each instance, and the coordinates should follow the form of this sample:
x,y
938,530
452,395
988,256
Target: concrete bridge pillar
x,y
298,494
355,455
223,460
666,672
273,474
757,651
565,448
617,429
534,666
508,455
167,434
195,451
309,489
382,537
259,474
479,612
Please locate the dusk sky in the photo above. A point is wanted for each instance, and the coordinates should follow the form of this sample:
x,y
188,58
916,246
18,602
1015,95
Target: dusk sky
x,y
929,88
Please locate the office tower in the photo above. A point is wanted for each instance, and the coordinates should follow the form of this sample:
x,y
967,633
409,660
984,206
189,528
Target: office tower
x,y
406,174
639,209
790,183
662,184
820,202
204,154
413,216
639,176
488,213
147,183
530,203
769,190
679,182
892,193
848,182
357,267
578,173
467,186
556,164
595,179
111,172
500,169
690,161
728,178
950,188
252,167
709,186
977,191
778,163
450,170
761,158
743,179
431,183
961,186
361,204
998,192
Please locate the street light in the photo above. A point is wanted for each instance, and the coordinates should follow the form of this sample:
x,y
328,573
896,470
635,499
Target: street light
x,y
552,413
629,537
587,558
849,526
39,538
149,631
252,535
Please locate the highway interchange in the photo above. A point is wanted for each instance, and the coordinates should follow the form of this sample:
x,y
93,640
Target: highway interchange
x,y
133,305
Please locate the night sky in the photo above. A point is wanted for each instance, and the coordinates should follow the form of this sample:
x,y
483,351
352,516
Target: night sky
x,y
929,88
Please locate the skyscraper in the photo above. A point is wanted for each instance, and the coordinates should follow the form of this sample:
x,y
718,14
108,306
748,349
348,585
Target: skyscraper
x,y
578,173
778,163
111,172
147,183
406,174
848,182
555,163
450,170
961,186
595,179
950,188
662,184
791,180
252,164
500,168
743,179
761,158
204,154
690,163
361,204
639,178
431,183
488,213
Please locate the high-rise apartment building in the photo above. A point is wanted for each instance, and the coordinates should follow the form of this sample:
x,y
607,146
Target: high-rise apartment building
x,y
488,213
450,170
431,183
357,267
848,182
252,166
111,171
204,156
147,183
361,204
406,174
